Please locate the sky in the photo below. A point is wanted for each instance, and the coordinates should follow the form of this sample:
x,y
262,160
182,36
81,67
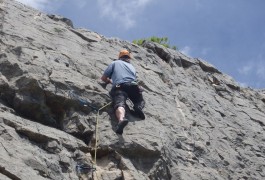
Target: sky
x,y
229,34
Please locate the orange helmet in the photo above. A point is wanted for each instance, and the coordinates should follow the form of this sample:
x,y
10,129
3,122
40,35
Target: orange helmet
x,y
124,53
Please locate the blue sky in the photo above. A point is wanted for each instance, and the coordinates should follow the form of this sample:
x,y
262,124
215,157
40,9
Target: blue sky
x,y
230,34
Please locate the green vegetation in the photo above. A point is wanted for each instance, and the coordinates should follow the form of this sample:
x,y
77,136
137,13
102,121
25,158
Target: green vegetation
x,y
163,41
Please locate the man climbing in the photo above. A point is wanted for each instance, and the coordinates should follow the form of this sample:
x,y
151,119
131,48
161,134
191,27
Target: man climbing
x,y
122,75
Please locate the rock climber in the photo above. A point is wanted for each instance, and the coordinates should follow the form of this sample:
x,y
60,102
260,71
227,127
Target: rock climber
x,y
122,75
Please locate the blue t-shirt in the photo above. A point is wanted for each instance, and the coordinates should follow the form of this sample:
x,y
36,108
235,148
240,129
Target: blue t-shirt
x,y
120,71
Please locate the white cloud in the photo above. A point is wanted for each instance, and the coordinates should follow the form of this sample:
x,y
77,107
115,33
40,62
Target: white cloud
x,y
38,4
186,50
205,51
198,4
43,5
242,84
261,70
254,70
246,69
124,12
81,3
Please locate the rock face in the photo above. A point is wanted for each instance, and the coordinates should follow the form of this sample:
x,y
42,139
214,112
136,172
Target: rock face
x,y
200,124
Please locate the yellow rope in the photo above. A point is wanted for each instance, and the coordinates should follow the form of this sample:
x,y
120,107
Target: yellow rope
x,y
96,144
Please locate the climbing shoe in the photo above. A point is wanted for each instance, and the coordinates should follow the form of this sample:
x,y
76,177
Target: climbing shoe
x,y
120,126
139,113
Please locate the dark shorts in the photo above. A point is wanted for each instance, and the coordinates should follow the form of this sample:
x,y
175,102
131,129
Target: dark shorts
x,y
124,91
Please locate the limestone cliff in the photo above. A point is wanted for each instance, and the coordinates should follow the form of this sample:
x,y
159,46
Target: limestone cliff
x,y
200,124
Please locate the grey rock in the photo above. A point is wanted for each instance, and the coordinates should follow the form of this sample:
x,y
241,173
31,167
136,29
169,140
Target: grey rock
x,y
207,67
62,19
170,56
200,124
